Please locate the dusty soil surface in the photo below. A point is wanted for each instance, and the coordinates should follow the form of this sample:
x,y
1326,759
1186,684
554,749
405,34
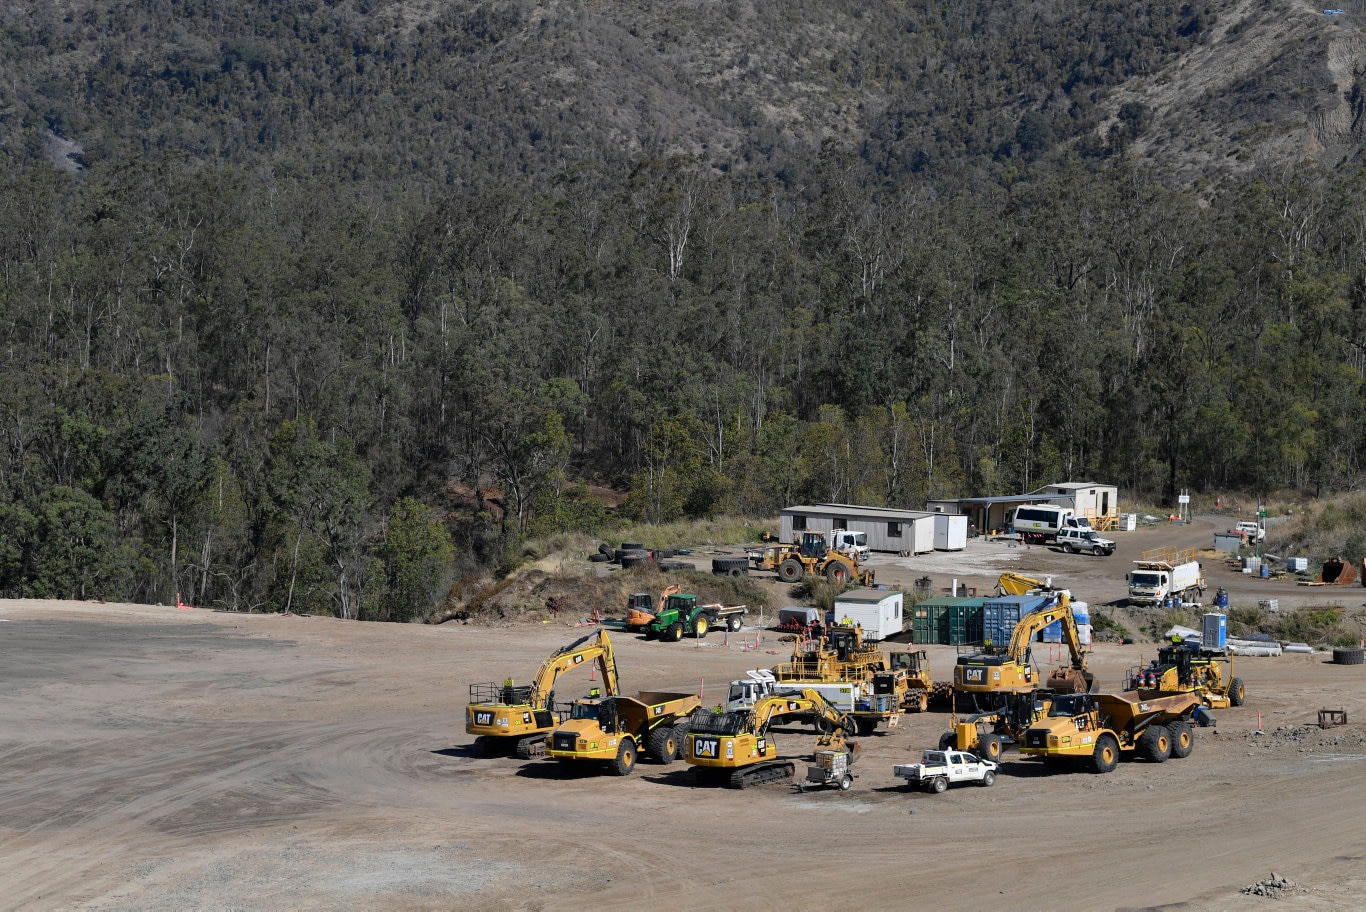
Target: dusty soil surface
x,y
156,758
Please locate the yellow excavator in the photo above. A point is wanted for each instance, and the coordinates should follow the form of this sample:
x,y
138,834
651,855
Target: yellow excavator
x,y
520,716
982,678
1019,584
736,749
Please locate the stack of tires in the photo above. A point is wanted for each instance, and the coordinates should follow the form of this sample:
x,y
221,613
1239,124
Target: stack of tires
x,y
635,554
1349,656
730,566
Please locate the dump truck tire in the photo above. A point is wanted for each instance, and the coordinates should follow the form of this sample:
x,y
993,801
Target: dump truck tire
x,y
632,546
727,566
1237,693
988,779
791,570
1183,739
664,744
734,623
632,560
680,738
1156,743
991,747
938,785
1349,656
1106,757
626,758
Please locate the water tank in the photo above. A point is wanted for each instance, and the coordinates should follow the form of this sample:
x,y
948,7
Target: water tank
x,y
1081,612
1214,633
1084,634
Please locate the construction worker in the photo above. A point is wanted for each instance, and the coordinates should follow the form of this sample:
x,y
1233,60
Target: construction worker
x,y
507,691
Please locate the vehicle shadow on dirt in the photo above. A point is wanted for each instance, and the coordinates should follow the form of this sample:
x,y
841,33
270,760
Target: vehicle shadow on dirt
x,y
460,751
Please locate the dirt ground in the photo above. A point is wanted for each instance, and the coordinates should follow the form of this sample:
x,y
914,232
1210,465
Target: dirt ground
x,y
159,758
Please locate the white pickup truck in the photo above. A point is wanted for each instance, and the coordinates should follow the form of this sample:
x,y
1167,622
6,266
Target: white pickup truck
x,y
938,768
1086,541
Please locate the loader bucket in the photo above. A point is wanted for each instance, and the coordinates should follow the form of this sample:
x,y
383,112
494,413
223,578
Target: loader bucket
x,y
1337,572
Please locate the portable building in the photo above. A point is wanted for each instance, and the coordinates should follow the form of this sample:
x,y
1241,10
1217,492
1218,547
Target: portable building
x,y
888,529
950,532
878,611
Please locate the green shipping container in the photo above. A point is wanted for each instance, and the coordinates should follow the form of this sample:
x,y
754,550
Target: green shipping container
x,y
944,620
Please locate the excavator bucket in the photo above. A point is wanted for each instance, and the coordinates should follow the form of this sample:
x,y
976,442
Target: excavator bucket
x,y
1337,572
1071,680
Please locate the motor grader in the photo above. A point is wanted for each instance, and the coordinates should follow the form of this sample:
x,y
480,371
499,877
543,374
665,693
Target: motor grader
x,y
982,677
812,555
736,748
616,730
520,716
1187,668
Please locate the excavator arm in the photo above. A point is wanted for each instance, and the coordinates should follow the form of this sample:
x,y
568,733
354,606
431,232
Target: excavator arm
x,y
596,647
1017,584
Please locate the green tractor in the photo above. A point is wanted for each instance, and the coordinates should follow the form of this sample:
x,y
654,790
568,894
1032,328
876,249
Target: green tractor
x,y
682,617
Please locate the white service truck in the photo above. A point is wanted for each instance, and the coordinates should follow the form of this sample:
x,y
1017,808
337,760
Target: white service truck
x,y
1151,582
1040,523
846,541
761,683
938,769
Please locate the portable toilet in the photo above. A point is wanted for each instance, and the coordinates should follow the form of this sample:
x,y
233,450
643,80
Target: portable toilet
x,y
1214,633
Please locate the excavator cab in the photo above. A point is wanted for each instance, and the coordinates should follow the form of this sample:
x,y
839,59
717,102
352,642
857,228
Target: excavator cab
x,y
812,545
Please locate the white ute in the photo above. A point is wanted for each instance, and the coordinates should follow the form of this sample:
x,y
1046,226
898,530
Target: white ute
x,y
938,768
1085,541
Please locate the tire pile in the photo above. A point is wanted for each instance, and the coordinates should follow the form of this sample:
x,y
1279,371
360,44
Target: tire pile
x,y
635,554
1352,656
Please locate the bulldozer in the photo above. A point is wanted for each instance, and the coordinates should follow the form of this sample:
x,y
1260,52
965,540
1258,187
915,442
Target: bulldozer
x,y
979,679
641,609
1186,668
812,555
520,716
736,749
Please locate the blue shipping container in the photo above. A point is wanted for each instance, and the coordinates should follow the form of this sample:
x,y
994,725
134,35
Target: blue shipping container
x,y
999,616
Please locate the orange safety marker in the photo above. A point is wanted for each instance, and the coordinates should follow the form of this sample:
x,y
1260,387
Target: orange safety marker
x,y
181,605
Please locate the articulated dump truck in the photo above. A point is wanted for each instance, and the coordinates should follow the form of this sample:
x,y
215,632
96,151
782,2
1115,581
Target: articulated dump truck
x,y
1101,728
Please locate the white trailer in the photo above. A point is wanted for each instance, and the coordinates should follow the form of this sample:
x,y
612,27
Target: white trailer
x,y
950,532
878,611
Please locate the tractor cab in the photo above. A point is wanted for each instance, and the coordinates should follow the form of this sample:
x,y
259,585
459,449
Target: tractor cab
x,y
683,604
812,545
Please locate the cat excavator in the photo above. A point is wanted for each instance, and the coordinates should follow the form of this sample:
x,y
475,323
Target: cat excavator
x,y
983,678
735,748
519,717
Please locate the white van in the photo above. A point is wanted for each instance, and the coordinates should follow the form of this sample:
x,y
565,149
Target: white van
x,y
1041,522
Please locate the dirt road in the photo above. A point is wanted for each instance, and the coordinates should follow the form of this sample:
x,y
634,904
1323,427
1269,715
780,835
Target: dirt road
x,y
155,758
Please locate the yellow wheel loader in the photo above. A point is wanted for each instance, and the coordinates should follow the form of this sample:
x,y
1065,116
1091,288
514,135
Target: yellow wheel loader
x,y
518,717
812,555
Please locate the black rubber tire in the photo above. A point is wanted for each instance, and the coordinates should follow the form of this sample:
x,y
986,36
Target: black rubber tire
x,y
632,560
664,744
1183,739
846,783
837,573
722,565
1066,548
598,557
948,741
1237,693
1349,656
938,785
632,546
618,554
791,570
822,725
1106,757
626,758
675,632
991,747
734,623
680,737
737,572
664,552
684,565
1155,743
607,550
988,779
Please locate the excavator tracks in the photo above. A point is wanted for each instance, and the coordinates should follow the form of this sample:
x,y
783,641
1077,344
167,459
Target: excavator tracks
x,y
531,748
763,773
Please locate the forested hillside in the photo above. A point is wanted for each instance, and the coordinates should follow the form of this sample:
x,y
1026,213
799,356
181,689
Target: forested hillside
x,y
319,304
